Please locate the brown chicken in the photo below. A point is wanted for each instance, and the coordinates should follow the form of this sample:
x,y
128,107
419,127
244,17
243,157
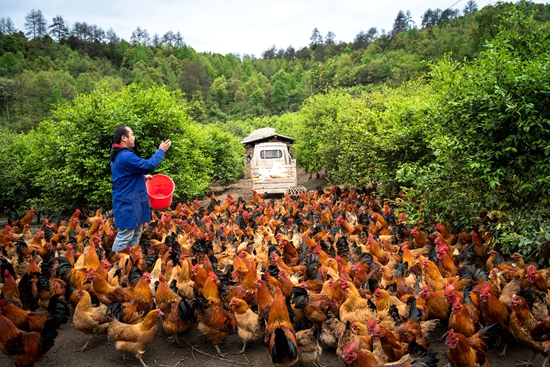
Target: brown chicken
x,y
531,278
213,321
106,293
246,290
134,338
355,357
264,299
435,304
10,291
88,319
29,320
250,326
354,332
472,351
280,334
18,225
178,314
308,346
400,342
528,331
314,307
355,308
491,310
464,318
141,303
26,348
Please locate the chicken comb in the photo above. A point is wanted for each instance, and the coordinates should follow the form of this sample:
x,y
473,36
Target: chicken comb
x,y
450,333
457,302
351,346
370,324
485,288
376,327
449,288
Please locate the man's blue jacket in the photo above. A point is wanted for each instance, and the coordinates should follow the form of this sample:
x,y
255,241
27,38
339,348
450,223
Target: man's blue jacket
x,y
130,200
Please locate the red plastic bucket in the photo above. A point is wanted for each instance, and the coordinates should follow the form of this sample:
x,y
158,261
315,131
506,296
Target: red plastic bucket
x,y
160,189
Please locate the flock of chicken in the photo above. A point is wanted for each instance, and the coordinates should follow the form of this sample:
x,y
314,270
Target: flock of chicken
x,y
327,270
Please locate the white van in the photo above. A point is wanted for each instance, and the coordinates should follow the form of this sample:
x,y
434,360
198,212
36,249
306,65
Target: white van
x,y
273,169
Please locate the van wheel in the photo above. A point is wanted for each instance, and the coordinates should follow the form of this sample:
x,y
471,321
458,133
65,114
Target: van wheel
x,y
296,190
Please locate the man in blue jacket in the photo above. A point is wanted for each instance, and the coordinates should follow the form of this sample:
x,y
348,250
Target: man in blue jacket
x,y
130,201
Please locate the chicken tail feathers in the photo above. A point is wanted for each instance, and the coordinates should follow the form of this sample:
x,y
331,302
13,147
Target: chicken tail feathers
x,y
59,314
428,361
531,296
414,312
186,309
115,310
58,309
284,349
491,334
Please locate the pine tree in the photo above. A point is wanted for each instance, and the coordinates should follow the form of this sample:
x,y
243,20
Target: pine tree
x,y
470,8
59,28
316,38
329,38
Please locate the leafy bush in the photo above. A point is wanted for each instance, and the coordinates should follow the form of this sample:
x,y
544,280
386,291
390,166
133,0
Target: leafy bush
x,y
226,153
74,145
364,138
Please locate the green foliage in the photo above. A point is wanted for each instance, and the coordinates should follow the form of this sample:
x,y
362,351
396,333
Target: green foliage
x,y
74,145
364,138
226,153
18,170
522,230
491,128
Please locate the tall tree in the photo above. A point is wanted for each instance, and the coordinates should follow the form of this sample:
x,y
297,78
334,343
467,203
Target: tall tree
x,y
316,38
329,38
448,14
178,40
35,23
290,53
58,28
112,39
168,38
363,39
270,53
155,41
140,36
95,33
6,26
470,8
402,23
80,30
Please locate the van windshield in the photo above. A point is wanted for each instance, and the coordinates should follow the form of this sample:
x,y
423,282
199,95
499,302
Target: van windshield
x,y
271,154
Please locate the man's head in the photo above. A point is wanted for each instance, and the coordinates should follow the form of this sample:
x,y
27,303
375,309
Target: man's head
x,y
124,136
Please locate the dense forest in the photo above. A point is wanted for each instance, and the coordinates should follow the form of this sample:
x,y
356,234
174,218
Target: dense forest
x,y
48,64
449,117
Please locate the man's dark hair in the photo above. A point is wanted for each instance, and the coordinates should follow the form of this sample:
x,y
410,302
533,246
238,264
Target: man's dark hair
x,y
120,131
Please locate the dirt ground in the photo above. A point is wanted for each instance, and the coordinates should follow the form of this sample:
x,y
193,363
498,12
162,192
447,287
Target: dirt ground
x,y
197,351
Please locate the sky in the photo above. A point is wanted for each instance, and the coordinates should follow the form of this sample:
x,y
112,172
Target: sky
x,y
232,26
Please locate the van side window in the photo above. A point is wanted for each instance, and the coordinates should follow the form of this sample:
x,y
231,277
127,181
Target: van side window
x,y
271,154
